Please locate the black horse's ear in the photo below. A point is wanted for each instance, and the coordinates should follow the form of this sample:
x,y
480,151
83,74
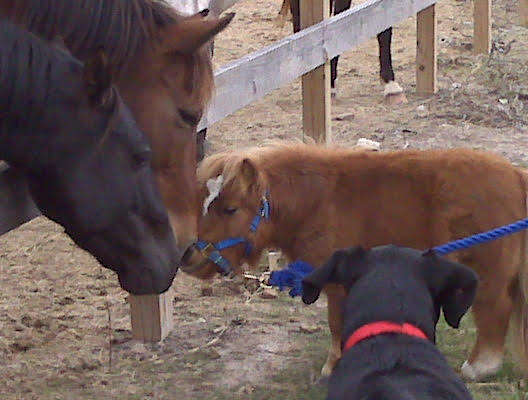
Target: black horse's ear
x,y
98,79
454,286
343,267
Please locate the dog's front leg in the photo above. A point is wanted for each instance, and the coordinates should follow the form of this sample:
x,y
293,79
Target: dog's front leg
x,y
336,295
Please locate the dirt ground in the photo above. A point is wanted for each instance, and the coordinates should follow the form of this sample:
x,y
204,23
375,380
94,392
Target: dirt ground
x,y
64,322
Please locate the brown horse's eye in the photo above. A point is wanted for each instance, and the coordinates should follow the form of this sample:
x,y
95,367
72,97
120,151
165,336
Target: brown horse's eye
x,y
230,210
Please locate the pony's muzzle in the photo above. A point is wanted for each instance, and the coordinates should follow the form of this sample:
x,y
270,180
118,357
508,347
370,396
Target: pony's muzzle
x,y
193,260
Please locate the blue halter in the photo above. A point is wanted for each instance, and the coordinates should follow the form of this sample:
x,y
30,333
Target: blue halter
x,y
212,250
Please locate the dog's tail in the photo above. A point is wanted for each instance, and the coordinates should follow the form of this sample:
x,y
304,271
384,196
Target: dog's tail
x,y
519,320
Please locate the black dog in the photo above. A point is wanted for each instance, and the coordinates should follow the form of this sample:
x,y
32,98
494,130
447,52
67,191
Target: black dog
x,y
393,304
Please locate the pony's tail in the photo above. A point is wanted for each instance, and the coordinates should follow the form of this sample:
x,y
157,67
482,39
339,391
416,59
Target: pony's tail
x,y
519,320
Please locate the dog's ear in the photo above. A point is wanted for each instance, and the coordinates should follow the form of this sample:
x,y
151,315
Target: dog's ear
x,y
454,286
343,267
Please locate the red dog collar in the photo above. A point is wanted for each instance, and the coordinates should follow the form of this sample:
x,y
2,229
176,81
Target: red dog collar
x,y
379,328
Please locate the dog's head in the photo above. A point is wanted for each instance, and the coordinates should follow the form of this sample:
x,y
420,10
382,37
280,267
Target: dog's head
x,y
452,286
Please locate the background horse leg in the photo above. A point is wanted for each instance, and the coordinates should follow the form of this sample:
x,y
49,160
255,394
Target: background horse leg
x,y
296,15
340,6
393,92
284,14
336,295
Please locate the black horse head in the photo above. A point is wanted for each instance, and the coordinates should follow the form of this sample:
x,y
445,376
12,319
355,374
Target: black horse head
x,y
86,161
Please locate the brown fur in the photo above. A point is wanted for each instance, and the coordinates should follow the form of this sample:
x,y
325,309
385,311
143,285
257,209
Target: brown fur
x,y
325,199
162,67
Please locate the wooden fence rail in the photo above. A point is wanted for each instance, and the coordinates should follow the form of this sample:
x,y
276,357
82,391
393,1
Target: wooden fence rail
x,y
253,76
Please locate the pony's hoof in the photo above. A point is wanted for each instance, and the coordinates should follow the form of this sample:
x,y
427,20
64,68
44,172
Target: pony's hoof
x,y
326,371
479,371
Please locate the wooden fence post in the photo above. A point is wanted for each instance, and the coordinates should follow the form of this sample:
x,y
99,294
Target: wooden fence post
x,y
482,26
316,83
523,12
151,316
426,51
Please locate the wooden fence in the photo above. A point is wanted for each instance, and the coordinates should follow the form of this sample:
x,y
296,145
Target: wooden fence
x,y
305,54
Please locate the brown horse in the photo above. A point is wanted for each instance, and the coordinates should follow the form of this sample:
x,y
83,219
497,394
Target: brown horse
x,y
324,199
164,74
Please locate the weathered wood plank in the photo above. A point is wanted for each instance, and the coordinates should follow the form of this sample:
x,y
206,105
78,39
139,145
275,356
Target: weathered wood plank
x,y
426,51
16,206
482,26
257,74
316,84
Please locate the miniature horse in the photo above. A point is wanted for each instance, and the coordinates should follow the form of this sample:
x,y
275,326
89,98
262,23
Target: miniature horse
x,y
163,71
317,200
86,162
393,92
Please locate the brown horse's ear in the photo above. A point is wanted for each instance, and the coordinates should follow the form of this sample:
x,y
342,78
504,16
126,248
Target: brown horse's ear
x,y
248,175
189,34
98,79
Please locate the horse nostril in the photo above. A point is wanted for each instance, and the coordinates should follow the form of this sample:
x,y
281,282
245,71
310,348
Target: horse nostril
x,y
186,258
190,118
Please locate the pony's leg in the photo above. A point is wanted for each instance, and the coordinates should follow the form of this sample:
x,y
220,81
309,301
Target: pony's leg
x,y
336,296
393,92
340,6
491,312
498,267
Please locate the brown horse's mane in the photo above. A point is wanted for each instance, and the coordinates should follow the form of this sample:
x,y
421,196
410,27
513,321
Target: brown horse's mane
x,y
123,28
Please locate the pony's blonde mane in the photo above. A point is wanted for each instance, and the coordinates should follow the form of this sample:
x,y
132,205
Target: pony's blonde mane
x,y
265,157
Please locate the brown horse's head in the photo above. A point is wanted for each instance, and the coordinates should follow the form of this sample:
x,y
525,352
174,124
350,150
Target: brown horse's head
x,y
167,90
232,192
162,61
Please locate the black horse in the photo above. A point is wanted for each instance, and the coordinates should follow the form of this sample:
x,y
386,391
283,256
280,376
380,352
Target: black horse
x,y
393,92
87,163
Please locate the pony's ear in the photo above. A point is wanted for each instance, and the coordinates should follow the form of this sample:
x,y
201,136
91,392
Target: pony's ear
x,y
189,34
344,267
98,79
248,175
453,286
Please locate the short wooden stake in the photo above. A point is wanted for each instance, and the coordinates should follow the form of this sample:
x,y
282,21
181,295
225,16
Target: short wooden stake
x,y
426,51
151,316
482,26
316,83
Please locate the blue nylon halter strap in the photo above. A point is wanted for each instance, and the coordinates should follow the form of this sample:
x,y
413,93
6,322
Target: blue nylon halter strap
x,y
216,257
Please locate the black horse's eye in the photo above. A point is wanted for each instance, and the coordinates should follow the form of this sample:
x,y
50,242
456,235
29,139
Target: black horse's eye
x,y
230,210
142,158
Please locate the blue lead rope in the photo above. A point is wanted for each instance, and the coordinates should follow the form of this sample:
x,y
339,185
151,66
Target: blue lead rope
x,y
294,273
480,238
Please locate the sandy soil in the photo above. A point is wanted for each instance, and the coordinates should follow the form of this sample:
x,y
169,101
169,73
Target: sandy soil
x,y
64,324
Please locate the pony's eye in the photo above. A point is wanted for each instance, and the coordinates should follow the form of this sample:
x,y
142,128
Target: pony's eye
x,y
230,210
